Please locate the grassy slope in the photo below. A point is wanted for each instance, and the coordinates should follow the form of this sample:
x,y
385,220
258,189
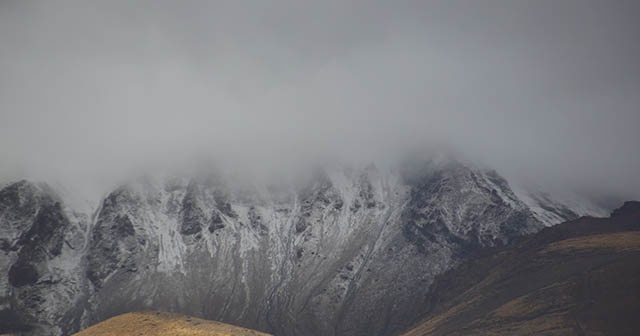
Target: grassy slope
x,y
163,324
580,278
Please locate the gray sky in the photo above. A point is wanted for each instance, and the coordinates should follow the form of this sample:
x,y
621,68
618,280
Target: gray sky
x,y
547,90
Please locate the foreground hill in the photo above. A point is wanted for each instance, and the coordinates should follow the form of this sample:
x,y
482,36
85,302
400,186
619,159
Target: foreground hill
x,y
577,278
164,324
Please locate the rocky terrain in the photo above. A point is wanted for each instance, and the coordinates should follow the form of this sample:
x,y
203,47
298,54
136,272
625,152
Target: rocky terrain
x,y
576,278
349,251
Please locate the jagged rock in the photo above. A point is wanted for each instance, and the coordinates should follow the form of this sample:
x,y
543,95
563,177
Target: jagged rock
x,y
628,208
452,204
301,225
192,213
215,223
291,260
22,273
123,226
40,274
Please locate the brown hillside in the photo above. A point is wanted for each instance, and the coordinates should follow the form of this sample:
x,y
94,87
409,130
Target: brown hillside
x,y
578,278
163,324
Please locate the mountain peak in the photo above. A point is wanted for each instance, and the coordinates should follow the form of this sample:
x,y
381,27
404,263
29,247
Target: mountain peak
x,y
628,208
333,247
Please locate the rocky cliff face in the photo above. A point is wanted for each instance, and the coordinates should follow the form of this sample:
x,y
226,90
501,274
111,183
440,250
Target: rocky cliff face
x,y
348,252
42,244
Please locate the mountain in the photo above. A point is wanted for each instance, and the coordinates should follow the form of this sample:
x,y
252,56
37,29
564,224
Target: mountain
x,y
163,324
577,278
345,251
42,245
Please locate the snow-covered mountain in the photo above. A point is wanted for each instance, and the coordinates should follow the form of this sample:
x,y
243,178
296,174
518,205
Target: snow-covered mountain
x,y
347,252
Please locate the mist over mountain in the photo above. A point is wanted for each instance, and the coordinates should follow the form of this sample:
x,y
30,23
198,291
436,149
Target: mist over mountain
x,y
92,92
298,168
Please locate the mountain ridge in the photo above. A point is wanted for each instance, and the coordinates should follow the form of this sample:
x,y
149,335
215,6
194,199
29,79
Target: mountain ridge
x,y
357,246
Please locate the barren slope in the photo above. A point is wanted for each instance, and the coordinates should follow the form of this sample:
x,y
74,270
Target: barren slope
x,y
578,278
164,324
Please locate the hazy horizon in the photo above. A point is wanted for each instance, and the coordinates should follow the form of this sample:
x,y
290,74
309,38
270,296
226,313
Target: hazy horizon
x,y
544,91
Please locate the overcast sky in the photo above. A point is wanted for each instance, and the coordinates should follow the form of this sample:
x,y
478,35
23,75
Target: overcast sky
x,y
547,90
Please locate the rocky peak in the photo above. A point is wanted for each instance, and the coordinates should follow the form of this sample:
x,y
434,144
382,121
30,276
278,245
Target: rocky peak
x,y
342,252
628,208
465,205
193,216
24,207
41,243
20,196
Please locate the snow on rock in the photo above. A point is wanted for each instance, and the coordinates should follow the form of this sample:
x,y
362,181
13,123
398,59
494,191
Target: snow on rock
x,y
349,251
553,207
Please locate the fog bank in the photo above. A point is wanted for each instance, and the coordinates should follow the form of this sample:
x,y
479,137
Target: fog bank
x,y
544,91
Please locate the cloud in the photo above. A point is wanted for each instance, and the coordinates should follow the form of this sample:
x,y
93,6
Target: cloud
x,y
545,90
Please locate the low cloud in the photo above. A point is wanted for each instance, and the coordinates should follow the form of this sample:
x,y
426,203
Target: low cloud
x,y
545,91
